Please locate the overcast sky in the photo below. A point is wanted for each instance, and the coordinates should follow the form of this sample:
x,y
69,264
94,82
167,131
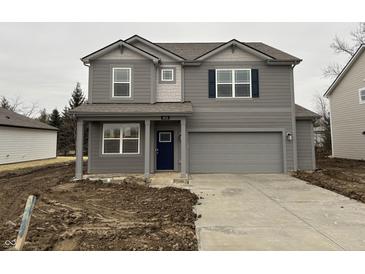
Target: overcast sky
x,y
40,62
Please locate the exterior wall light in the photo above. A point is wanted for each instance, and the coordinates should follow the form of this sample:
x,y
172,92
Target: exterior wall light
x,y
289,136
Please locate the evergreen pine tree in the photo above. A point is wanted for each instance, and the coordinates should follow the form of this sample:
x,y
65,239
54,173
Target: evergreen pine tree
x,y
77,97
43,117
67,132
5,103
55,119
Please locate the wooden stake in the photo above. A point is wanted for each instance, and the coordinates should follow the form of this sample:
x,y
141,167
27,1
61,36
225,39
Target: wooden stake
x,y
23,230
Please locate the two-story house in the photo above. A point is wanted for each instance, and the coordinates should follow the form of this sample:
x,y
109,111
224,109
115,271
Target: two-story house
x,y
347,108
193,108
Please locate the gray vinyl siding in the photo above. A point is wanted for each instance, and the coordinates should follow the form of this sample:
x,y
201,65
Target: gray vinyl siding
x,y
348,115
99,163
113,163
273,109
305,145
101,77
236,152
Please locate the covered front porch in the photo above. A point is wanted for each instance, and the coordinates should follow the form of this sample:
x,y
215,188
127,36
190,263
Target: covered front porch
x,y
134,143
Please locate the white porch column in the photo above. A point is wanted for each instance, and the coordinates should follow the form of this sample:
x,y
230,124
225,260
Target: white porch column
x,y
183,147
147,145
79,149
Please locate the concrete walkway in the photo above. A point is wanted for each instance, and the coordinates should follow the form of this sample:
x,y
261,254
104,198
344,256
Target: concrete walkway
x,y
274,212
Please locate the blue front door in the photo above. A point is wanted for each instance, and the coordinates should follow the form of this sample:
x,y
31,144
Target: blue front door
x,y
165,150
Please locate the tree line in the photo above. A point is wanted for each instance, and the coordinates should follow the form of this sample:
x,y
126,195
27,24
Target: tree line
x,y
64,121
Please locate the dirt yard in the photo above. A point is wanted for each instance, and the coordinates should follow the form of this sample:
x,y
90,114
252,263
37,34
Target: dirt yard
x,y
346,177
94,215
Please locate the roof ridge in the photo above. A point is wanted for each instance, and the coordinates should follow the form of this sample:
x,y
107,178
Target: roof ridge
x,y
14,119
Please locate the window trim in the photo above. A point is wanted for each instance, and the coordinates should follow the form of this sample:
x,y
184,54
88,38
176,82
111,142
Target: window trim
x,y
360,99
165,132
172,73
233,83
121,138
121,82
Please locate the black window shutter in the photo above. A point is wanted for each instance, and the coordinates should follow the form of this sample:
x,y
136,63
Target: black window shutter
x,y
255,82
211,81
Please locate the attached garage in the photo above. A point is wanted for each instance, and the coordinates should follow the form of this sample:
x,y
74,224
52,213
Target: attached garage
x,y
236,152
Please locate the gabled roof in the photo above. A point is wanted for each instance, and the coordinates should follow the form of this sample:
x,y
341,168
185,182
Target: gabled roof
x,y
115,45
12,119
196,51
192,51
155,46
235,43
303,113
344,71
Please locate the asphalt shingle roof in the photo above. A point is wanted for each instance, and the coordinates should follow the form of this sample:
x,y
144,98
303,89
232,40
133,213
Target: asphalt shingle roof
x,y
158,108
190,51
301,112
133,109
13,119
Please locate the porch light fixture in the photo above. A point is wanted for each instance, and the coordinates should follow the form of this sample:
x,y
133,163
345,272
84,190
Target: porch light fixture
x,y
165,117
289,136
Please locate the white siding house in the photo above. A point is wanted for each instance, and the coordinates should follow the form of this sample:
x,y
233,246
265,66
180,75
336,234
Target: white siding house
x,y
24,139
347,106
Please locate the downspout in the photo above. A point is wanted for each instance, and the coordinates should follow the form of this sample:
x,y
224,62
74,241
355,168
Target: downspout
x,y
89,97
294,127
182,86
331,129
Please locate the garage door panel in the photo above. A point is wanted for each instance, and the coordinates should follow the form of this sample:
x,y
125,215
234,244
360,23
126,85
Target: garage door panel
x,y
235,152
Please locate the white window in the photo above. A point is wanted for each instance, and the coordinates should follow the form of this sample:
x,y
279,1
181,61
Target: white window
x,y
164,137
121,138
233,83
362,95
122,82
167,75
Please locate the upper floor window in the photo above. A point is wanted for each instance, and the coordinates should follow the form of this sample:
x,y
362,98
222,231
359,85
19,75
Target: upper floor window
x,y
122,82
233,83
167,75
362,95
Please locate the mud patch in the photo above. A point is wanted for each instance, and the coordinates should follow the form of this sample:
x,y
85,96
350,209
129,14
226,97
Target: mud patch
x,y
91,215
343,176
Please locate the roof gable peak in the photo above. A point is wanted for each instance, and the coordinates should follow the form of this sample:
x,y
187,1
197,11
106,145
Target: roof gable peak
x,y
154,46
344,71
118,44
235,43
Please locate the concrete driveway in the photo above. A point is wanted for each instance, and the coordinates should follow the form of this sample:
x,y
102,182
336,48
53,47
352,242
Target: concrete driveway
x,y
274,212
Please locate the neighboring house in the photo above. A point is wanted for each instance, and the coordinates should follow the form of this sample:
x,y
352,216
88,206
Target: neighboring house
x,y
193,108
319,135
25,139
347,105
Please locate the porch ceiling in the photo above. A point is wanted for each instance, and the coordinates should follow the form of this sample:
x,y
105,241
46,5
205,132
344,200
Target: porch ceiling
x,y
132,109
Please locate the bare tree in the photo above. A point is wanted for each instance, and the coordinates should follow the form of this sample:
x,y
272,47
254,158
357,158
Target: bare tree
x,y
30,110
341,46
17,105
332,70
324,122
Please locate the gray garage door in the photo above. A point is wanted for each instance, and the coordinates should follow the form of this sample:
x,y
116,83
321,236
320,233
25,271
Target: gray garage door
x,y
235,152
